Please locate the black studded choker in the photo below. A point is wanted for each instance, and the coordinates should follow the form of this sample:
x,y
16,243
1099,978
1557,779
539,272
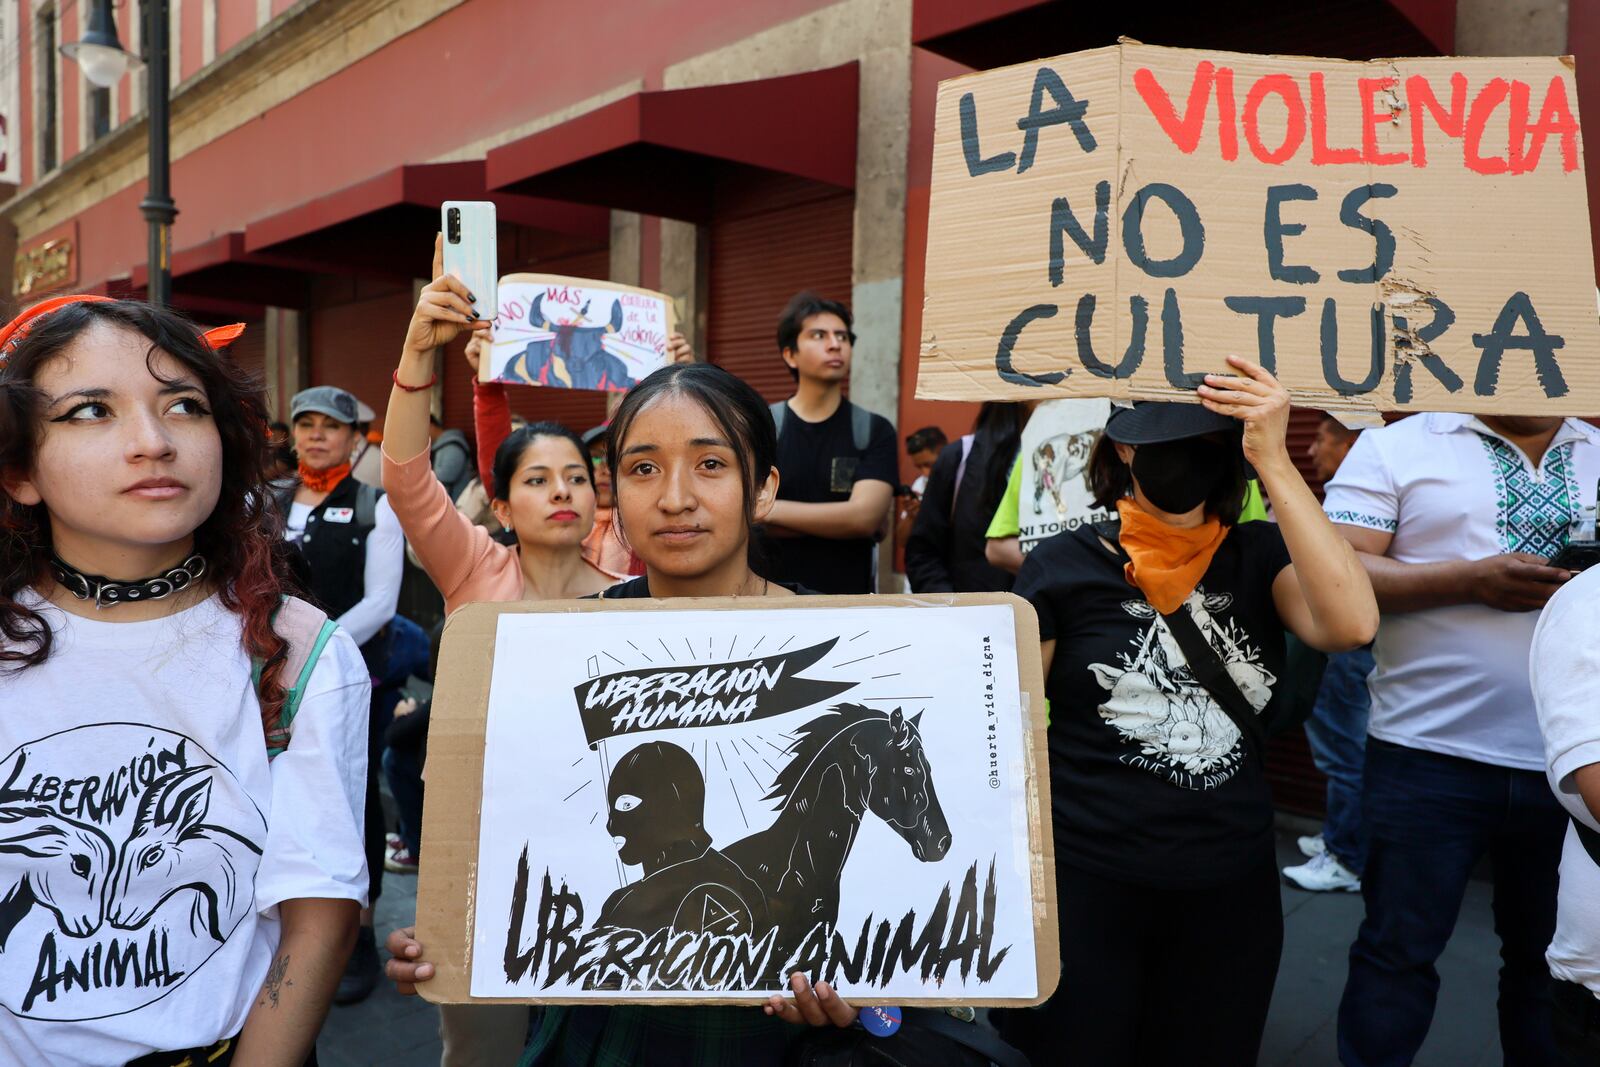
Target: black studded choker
x,y
106,591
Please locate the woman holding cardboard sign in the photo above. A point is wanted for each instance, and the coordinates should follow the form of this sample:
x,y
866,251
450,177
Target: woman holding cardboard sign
x,y
1163,644
694,469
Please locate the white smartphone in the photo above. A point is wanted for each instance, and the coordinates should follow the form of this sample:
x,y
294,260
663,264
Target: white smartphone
x,y
469,250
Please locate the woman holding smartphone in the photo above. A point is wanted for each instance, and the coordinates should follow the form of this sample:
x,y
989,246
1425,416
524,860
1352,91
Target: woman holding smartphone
x,y
178,800
692,452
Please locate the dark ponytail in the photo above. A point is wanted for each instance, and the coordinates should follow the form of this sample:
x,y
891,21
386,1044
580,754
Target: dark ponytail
x,y
998,429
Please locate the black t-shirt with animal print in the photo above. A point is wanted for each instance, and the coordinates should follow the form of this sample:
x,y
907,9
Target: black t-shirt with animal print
x,y
1150,779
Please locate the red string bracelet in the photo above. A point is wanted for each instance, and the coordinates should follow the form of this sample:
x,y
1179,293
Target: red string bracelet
x,y
403,387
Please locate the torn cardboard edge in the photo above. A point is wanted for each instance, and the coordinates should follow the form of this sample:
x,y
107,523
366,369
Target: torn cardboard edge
x,y
452,807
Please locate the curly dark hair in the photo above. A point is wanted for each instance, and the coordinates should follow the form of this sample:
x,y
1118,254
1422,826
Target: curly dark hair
x,y
241,539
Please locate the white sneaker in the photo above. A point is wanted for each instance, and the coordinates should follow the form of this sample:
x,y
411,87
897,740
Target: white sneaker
x,y
1311,846
1323,874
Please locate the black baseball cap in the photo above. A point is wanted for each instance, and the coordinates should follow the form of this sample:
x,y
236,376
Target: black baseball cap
x,y
1151,422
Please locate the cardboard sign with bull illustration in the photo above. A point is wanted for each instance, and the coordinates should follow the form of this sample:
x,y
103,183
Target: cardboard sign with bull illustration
x,y
681,802
571,333
1405,234
1056,443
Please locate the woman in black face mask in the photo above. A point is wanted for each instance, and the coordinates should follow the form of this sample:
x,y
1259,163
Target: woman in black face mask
x,y
1162,644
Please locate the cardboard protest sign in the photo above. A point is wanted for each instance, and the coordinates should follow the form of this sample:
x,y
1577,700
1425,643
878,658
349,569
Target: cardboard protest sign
x,y
1055,469
631,802
569,333
1407,234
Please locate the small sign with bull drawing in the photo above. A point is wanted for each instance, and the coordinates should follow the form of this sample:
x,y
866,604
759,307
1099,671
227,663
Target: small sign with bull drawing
x,y
1056,443
690,805
571,333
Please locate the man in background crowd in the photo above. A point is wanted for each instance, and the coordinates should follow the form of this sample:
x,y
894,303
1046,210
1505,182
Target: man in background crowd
x,y
451,457
922,448
836,461
1337,727
1454,517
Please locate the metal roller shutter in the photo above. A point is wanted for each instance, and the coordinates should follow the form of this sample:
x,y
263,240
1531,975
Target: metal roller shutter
x,y
772,237
355,345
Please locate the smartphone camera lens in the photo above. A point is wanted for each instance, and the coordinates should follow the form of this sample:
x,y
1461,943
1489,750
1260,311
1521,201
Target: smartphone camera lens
x,y
453,226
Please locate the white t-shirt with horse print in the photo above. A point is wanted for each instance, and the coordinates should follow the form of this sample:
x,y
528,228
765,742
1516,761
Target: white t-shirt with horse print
x,y
145,839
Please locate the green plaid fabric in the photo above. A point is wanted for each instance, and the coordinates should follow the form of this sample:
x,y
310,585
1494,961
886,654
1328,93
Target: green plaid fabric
x,y
660,1037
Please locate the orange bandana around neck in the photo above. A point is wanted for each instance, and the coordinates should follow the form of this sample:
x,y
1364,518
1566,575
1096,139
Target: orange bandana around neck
x,y
323,481
1166,562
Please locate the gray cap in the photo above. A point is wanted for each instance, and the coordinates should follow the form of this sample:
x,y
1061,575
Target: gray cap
x,y
327,400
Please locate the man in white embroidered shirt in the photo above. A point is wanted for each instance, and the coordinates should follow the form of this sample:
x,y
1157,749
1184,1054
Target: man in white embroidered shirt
x,y
1454,517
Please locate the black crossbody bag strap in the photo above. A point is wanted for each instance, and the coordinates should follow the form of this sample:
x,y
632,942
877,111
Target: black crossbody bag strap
x,y
1590,840
979,1039
1204,663
1209,671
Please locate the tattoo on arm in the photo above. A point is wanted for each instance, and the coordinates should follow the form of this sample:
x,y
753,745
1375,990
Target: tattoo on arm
x,y
273,986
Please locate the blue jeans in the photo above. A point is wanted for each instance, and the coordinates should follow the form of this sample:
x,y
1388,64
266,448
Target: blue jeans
x,y
1337,734
404,774
1431,818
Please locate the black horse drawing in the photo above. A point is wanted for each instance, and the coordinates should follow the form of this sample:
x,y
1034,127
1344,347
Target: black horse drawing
x,y
843,764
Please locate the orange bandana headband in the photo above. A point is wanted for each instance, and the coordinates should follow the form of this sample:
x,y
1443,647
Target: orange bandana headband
x,y
12,333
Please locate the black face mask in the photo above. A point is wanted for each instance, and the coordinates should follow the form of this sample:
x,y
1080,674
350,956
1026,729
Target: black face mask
x,y
1178,476
657,799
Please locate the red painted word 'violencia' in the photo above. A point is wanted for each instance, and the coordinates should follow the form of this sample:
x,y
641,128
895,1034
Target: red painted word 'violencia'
x,y
1380,105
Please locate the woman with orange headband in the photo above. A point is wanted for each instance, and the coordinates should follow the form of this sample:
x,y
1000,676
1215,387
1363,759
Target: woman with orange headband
x,y
181,745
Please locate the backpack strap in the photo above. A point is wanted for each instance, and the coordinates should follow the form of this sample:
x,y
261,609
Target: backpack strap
x,y
860,426
860,422
282,492
306,630
1589,839
367,497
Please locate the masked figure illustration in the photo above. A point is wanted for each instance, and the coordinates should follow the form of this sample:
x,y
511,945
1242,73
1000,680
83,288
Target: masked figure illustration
x,y
656,800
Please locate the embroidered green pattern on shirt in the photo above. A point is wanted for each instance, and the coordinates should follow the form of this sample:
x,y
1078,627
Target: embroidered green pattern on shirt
x,y
1533,514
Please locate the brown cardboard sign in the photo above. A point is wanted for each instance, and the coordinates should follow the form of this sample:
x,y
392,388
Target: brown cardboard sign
x,y
683,802
1399,234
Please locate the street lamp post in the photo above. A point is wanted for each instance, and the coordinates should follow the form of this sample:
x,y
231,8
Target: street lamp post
x,y
157,205
103,60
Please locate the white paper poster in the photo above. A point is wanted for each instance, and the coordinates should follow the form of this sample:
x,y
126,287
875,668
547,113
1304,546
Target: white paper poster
x,y
697,803
1055,469
569,333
